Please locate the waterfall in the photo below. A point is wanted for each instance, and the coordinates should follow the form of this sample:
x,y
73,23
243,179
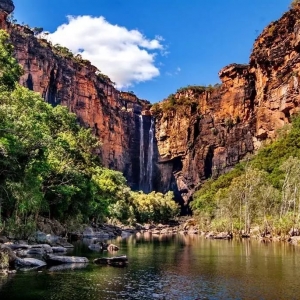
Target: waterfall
x,y
150,157
142,171
146,157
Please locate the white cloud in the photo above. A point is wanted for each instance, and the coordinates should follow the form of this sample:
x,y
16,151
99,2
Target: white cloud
x,y
126,56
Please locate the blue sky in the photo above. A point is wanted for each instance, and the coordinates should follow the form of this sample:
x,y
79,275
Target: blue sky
x,y
172,43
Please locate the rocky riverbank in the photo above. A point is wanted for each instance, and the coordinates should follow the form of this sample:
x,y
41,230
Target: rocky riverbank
x,y
51,249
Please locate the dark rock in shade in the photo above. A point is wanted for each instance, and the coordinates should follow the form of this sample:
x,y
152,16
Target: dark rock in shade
x,y
45,247
36,251
56,260
11,255
7,6
59,249
3,239
52,227
18,246
117,261
29,263
63,243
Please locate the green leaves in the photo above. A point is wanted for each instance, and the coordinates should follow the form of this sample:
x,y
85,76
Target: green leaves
x,y
264,191
10,71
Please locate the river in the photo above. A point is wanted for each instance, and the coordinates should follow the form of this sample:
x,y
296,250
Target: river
x,y
170,267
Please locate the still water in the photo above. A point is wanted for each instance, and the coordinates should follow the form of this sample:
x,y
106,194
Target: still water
x,y
174,267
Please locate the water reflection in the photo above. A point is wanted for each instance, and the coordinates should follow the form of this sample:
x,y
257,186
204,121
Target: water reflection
x,y
171,267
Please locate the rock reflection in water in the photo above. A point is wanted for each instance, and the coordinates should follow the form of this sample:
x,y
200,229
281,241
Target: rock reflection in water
x,y
67,267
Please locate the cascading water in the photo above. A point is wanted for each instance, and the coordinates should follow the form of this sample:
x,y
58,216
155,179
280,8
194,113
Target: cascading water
x,y
142,169
146,156
150,157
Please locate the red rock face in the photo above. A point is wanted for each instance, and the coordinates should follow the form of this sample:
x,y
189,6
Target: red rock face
x,y
275,64
210,136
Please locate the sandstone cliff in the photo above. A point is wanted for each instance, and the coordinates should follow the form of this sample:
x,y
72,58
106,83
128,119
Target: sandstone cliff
x,y
222,125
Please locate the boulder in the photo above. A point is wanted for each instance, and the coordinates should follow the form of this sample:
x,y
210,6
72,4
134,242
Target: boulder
x,y
36,251
56,260
42,237
47,248
295,240
21,263
59,249
18,246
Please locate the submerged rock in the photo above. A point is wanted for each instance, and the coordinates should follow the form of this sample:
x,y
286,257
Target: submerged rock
x,y
117,261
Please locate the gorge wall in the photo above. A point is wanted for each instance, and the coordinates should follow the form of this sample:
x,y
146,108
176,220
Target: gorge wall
x,y
203,133
224,124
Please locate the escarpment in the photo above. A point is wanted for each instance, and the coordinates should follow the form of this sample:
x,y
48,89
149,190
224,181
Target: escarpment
x,y
215,128
200,132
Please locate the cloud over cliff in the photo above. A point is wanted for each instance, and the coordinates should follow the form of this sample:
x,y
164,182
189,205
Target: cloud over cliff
x,y
127,56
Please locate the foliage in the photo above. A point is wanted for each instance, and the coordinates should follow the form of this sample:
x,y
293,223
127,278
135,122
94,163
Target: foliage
x,y
4,260
62,51
47,165
185,97
263,191
155,207
37,30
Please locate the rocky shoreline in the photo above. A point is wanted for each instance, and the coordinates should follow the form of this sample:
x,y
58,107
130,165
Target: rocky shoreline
x,y
48,250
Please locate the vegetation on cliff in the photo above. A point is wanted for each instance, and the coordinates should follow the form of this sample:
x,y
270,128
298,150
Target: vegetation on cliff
x,y
184,97
263,191
48,164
